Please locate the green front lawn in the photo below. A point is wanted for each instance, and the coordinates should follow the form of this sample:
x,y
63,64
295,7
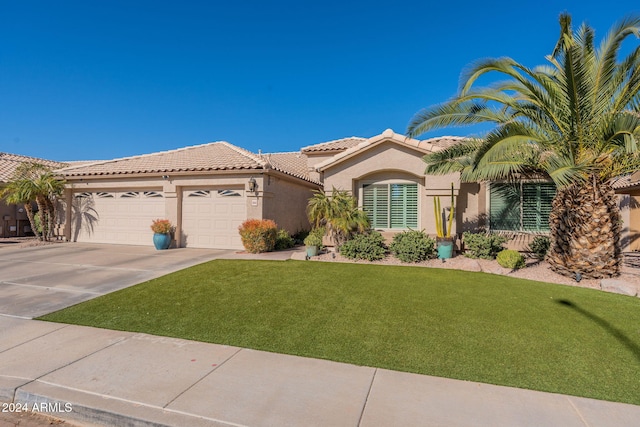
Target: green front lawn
x,y
455,324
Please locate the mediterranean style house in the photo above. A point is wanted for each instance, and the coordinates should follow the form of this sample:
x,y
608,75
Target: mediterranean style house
x,y
207,191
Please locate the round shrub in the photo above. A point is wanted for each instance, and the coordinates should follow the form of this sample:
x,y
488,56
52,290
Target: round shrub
x,y
369,247
510,258
284,240
540,246
258,235
413,246
482,245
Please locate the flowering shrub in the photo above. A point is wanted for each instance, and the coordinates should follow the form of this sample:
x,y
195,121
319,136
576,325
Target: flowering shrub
x,y
161,226
258,235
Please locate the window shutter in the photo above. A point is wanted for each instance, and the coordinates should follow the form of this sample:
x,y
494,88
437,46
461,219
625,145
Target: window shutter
x,y
375,202
504,207
404,205
537,199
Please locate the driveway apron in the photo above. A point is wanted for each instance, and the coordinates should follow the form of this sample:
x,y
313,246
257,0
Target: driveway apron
x,y
40,280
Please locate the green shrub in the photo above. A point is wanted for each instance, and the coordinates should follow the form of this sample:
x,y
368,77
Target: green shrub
x,y
510,258
258,235
482,245
284,240
540,246
413,246
314,238
364,246
299,236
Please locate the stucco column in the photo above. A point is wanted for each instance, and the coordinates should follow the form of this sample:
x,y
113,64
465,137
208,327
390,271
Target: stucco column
x,y
172,210
68,201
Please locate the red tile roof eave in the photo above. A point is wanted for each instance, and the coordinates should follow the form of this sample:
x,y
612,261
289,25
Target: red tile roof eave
x,y
184,172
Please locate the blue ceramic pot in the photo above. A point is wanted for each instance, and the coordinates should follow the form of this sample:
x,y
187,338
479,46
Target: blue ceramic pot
x,y
161,241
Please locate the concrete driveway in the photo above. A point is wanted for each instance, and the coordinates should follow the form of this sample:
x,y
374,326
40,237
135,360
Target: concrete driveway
x,y
39,280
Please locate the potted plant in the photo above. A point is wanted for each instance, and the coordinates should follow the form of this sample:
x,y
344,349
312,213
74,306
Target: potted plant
x,y
443,230
313,241
162,229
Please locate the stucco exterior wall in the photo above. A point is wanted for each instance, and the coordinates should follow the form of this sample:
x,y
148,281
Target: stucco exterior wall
x,y
285,202
13,221
172,189
392,162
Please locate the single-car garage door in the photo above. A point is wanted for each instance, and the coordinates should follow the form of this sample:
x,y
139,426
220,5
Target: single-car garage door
x,y
116,217
211,217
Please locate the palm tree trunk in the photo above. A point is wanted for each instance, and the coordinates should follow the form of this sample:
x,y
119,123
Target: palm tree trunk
x,y
32,221
585,231
44,221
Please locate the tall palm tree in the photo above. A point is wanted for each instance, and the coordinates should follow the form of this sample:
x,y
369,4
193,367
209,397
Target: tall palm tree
x,y
574,121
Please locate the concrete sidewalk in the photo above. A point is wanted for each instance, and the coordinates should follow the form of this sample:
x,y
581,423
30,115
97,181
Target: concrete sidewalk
x,y
103,377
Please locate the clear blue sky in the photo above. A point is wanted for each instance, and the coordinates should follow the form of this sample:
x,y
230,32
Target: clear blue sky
x,y
104,79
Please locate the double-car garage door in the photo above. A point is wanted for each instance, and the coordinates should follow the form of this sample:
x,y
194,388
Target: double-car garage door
x,y
210,217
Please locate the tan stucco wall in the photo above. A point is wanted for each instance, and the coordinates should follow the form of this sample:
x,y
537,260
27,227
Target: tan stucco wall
x,y
389,162
278,196
13,220
285,202
630,210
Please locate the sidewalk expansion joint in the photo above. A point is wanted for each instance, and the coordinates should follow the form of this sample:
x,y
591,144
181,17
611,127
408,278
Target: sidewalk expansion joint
x,y
137,403
578,412
78,359
49,288
366,400
35,338
202,378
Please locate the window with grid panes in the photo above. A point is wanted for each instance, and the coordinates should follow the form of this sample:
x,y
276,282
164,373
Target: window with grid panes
x,y
391,205
522,206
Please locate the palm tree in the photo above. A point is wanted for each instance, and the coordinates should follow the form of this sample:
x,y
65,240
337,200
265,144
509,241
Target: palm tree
x,y
574,121
339,213
34,182
17,192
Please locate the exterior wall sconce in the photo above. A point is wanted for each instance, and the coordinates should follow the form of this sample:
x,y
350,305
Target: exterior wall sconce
x,y
165,176
253,185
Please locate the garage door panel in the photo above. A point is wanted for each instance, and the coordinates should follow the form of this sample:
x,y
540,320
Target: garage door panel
x,y
118,217
209,218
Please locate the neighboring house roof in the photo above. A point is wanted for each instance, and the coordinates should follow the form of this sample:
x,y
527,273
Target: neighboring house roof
x,y
626,182
214,156
335,145
426,146
10,162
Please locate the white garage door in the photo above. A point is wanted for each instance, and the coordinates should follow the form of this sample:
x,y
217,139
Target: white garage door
x,y
116,217
211,217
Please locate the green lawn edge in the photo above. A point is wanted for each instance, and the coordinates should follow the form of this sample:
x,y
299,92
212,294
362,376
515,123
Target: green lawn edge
x,y
447,323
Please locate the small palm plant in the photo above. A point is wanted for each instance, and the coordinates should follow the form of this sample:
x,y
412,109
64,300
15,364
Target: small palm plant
x,y
339,213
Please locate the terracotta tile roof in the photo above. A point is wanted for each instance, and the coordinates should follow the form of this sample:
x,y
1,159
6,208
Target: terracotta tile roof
x,y
426,146
10,162
292,163
625,182
336,145
214,156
